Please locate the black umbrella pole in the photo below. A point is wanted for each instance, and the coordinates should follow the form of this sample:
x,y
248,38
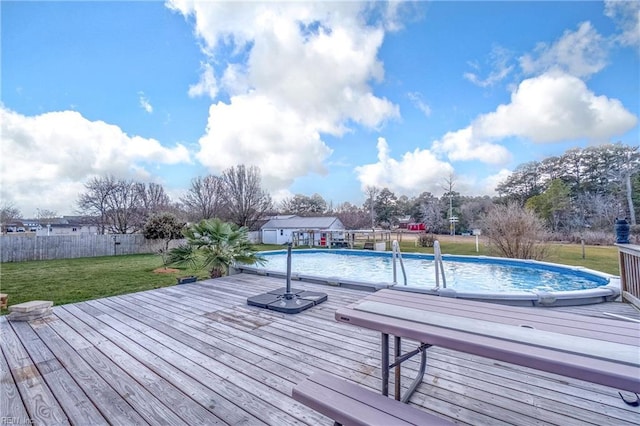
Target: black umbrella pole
x,y
288,294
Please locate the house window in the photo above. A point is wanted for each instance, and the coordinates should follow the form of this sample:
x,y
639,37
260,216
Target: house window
x,y
281,232
74,229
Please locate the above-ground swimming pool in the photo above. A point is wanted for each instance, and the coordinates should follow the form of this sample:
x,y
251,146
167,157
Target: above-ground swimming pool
x,y
520,282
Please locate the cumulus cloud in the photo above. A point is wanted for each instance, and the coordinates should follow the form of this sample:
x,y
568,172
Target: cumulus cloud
x,y
414,173
297,70
244,132
144,103
556,107
47,158
626,14
466,145
581,53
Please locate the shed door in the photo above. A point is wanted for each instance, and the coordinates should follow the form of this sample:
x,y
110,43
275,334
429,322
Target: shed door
x,y
269,236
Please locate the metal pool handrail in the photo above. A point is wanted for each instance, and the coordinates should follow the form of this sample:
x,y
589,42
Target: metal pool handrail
x,y
437,259
396,255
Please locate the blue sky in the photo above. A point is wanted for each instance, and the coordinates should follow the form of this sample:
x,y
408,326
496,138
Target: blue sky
x,y
325,97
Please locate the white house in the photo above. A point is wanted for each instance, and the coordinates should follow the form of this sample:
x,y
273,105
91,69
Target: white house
x,y
66,229
317,231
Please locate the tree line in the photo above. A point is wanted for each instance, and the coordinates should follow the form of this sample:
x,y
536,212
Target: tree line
x,y
124,206
582,189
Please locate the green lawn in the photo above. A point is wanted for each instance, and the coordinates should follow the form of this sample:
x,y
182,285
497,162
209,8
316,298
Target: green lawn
x,y
75,280
598,258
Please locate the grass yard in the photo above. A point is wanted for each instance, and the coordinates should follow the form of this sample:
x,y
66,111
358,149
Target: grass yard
x,y
75,280
598,258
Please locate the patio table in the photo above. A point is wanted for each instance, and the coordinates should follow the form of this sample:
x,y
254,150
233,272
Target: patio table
x,y
599,350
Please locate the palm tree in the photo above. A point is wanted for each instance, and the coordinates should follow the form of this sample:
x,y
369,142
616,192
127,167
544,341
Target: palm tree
x,y
215,245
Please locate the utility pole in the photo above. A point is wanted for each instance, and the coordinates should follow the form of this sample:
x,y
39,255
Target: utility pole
x,y
449,190
451,225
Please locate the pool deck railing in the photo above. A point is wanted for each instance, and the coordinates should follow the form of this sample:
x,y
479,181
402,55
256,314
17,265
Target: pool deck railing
x,y
629,256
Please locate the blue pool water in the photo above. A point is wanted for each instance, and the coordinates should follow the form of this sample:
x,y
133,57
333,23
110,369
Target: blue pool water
x,y
463,273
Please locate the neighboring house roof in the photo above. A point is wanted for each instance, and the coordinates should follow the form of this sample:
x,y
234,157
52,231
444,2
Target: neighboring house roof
x,y
297,222
257,225
67,225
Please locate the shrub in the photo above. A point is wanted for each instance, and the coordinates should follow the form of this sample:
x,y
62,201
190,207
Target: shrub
x,y
592,238
163,227
426,240
515,232
215,245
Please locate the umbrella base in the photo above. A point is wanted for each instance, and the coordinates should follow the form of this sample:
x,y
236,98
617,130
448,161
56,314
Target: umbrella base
x,y
292,302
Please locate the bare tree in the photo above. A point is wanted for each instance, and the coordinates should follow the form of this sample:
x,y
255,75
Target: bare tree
x,y
115,202
371,193
245,200
431,213
124,208
45,217
204,199
352,217
8,214
93,202
153,199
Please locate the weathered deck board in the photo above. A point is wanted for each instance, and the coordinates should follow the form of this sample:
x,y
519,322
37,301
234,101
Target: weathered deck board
x,y
78,408
10,402
198,354
38,398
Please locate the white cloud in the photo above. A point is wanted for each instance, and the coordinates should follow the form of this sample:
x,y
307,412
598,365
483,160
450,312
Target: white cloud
x,y
414,173
47,158
500,68
298,70
487,185
144,103
465,145
416,100
581,53
556,107
207,85
626,14
244,132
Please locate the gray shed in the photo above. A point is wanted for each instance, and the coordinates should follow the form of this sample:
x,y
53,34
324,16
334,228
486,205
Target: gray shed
x,y
316,231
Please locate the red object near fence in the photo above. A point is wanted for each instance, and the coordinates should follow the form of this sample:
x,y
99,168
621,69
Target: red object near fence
x,y
416,227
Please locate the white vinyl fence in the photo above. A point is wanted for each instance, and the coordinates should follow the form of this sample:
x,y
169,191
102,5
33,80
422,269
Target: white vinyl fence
x,y
19,248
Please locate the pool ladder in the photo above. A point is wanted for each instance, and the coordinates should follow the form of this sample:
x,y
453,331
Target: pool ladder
x,y
397,256
437,258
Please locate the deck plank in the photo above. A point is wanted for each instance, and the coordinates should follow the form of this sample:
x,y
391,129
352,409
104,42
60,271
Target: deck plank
x,y
193,379
202,352
10,402
73,400
111,404
39,400
261,397
179,403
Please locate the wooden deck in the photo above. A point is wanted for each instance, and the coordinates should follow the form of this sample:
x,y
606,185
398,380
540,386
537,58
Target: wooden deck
x,y
197,354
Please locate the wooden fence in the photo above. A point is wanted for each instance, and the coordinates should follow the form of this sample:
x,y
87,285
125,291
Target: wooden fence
x,y
630,272
19,248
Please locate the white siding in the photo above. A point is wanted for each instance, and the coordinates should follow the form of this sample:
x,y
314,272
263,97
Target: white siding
x,y
269,236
